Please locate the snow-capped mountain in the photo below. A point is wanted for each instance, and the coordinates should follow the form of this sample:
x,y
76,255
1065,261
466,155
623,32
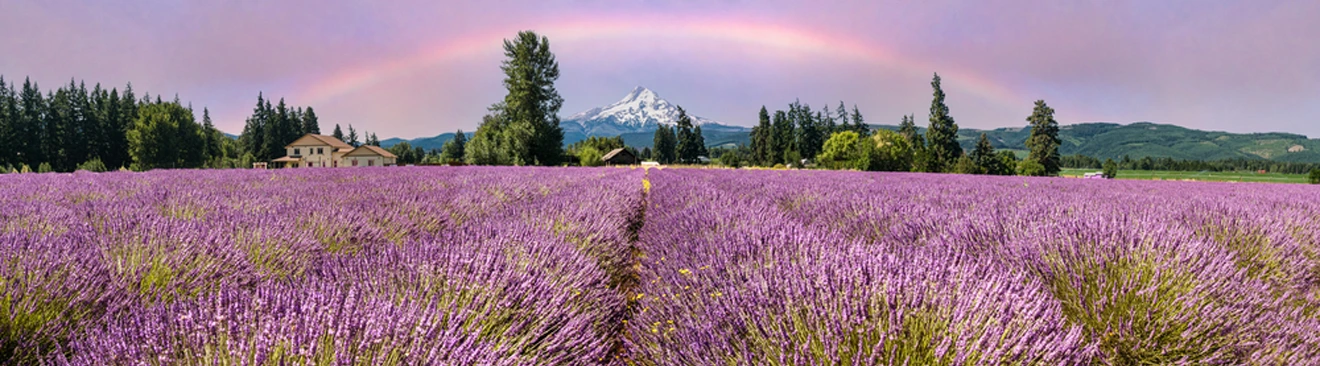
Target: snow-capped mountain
x,y
639,111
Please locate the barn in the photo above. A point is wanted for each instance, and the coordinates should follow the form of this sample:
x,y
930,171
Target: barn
x,y
619,156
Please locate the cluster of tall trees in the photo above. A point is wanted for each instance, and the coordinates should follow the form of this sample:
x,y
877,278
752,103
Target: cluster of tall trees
x,y
74,127
523,129
800,133
682,143
841,141
939,151
270,128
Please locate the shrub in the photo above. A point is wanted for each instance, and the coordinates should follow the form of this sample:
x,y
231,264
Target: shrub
x,y
1110,169
44,168
589,156
1314,177
965,165
1031,168
94,165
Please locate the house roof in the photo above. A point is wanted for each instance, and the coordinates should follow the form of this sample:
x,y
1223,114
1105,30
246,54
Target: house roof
x,y
616,152
371,150
286,159
313,140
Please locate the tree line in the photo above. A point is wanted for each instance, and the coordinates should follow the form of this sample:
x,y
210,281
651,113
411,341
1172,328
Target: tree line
x,y
1171,164
74,127
798,137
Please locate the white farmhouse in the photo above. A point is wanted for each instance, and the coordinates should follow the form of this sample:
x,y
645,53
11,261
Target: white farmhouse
x,y
326,151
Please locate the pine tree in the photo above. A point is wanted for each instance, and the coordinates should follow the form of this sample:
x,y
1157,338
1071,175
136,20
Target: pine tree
x,y
309,122
809,139
984,156
783,138
338,134
859,124
453,150
527,120
701,141
942,134
29,128
688,146
126,112
666,145
252,140
763,139
908,128
828,126
373,140
352,136
1043,143
210,147
8,117
842,112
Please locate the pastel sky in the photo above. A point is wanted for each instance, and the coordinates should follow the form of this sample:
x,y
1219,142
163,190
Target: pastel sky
x,y
420,68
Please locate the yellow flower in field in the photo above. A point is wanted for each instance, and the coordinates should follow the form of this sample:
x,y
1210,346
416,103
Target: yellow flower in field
x,y
684,271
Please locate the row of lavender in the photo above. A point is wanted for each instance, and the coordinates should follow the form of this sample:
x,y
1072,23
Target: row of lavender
x,y
411,266
809,268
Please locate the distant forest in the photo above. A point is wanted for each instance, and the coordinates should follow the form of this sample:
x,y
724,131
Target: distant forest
x,y
78,128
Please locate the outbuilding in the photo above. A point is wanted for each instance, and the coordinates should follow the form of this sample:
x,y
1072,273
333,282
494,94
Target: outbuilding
x,y
620,156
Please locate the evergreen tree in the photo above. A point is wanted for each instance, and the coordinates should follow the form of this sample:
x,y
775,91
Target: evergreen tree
x,y
55,127
859,124
984,156
942,134
352,136
666,145
453,150
809,137
842,112
528,129
338,134
32,110
309,122
8,113
252,140
907,127
210,147
826,118
646,153
689,148
1043,143
373,140
783,138
126,111
763,139
701,142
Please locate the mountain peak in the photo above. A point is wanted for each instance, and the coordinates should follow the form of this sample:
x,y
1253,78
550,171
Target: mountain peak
x,y
641,92
642,109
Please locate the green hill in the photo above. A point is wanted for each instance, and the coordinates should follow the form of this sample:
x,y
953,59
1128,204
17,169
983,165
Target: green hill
x,y
1137,140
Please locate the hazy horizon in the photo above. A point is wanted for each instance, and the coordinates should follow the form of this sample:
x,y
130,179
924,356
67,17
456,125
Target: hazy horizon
x,y
417,69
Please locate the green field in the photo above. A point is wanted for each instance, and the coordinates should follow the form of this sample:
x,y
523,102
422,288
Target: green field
x,y
1197,176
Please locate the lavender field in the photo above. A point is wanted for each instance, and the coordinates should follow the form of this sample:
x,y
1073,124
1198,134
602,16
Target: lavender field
x,y
561,266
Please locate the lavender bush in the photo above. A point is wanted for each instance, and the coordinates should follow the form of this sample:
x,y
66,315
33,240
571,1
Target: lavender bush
x,y
551,266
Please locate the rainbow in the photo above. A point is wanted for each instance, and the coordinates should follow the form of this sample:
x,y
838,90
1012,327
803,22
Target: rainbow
x,y
782,39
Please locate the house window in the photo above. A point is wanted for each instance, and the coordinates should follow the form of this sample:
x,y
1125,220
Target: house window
x,y
296,152
320,151
371,162
354,162
334,164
